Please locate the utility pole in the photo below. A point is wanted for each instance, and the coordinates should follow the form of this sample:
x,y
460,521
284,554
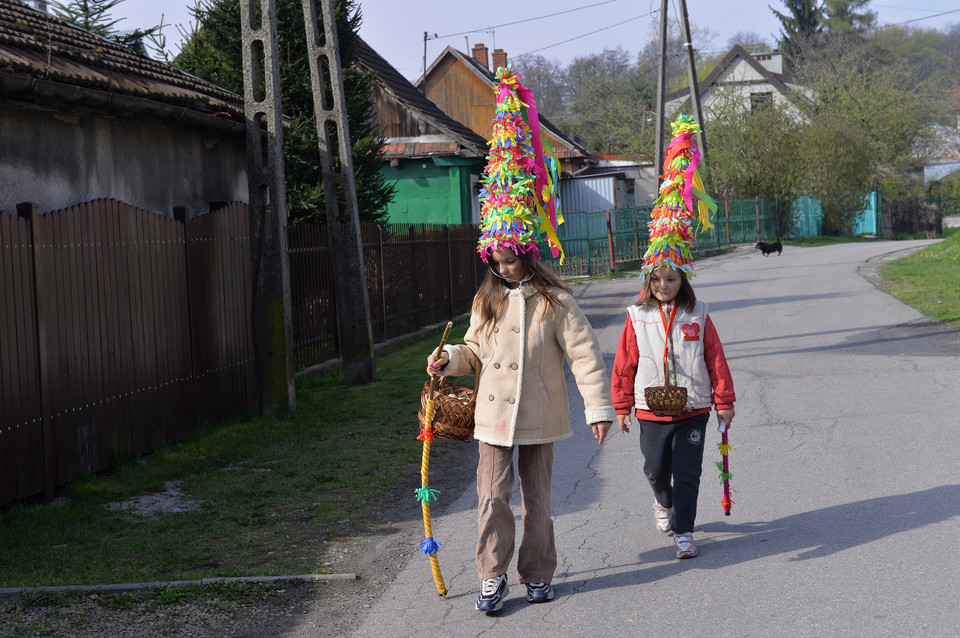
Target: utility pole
x,y
270,311
692,78
661,82
346,247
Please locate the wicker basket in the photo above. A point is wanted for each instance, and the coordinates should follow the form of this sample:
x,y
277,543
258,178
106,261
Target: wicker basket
x,y
453,408
666,400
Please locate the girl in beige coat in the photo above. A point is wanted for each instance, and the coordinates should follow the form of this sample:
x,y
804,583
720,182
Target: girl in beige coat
x,y
525,323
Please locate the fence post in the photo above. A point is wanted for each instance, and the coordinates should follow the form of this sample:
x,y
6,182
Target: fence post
x,y
636,232
726,212
31,213
757,198
181,216
613,267
411,237
446,234
382,284
776,210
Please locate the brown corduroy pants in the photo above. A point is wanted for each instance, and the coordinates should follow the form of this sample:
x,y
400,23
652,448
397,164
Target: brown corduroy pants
x,y
537,558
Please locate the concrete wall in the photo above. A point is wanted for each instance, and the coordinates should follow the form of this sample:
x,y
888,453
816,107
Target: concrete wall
x,y
59,160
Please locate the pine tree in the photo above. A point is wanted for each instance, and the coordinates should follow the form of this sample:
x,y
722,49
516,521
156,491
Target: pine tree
x,y
213,52
94,16
799,27
843,17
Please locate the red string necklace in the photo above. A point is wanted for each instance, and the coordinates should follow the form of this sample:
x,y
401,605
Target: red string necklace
x,y
667,327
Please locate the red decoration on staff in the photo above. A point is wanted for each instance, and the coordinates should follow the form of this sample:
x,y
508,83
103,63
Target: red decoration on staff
x,y
724,466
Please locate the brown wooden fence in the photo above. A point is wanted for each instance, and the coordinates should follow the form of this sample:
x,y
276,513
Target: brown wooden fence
x,y
120,330
417,276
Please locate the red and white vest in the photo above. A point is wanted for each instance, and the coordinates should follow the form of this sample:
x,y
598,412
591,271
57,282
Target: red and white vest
x,y
685,358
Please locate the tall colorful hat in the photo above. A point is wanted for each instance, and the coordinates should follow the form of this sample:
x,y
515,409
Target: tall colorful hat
x,y
518,196
670,227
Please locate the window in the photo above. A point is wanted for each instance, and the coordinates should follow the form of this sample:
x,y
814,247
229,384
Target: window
x,y
759,100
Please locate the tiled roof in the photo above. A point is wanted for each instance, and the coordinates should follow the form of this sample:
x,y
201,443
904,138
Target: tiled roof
x,y
38,48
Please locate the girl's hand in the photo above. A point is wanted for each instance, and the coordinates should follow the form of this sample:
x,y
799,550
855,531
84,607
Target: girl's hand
x,y
600,430
435,363
624,421
726,416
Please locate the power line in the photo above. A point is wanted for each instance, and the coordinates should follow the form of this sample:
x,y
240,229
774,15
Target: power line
x,y
510,24
556,44
935,15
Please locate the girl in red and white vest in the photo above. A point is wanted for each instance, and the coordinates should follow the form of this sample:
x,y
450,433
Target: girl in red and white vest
x,y
672,446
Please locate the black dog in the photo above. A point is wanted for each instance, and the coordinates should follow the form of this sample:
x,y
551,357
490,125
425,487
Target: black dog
x,y
766,248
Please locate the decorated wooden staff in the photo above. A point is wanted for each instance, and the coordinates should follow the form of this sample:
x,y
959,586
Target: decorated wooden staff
x,y
424,493
724,467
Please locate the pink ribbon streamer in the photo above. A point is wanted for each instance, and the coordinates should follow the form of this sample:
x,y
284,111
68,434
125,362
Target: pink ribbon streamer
x,y
539,168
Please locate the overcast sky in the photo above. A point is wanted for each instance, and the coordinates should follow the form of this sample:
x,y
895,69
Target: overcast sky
x,y
556,29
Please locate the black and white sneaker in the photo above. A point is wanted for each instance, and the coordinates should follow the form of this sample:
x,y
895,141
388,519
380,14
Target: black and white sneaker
x,y
539,592
492,593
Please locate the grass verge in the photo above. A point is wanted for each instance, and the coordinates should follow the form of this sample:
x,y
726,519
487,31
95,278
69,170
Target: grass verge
x,y
253,496
929,279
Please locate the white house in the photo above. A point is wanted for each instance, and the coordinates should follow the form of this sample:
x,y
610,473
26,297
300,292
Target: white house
x,y
744,81
939,151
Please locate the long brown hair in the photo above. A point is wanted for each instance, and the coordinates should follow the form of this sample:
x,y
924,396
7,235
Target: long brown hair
x,y
685,299
489,300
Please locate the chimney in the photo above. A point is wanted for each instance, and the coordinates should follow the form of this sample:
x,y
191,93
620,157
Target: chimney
x,y
480,54
499,59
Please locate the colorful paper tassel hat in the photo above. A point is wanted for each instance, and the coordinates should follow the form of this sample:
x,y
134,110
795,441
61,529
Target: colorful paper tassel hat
x,y
671,235
518,198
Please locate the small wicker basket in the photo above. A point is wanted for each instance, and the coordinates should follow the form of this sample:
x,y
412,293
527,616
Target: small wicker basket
x,y
453,408
666,400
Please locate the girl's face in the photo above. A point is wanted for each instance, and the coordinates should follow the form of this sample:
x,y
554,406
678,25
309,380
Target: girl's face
x,y
665,284
508,266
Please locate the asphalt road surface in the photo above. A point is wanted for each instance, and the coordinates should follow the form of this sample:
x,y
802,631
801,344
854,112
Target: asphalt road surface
x,y
846,468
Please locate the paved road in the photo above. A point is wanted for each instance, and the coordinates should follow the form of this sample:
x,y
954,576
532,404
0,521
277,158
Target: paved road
x,y
847,471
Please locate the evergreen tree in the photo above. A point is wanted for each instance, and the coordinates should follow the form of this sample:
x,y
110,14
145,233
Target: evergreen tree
x,y
214,52
844,17
798,27
94,16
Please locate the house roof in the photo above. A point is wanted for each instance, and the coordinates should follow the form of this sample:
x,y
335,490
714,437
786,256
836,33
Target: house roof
x,y
572,149
460,140
780,81
43,59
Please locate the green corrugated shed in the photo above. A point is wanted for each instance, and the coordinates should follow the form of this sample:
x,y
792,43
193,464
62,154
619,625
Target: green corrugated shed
x,y
435,190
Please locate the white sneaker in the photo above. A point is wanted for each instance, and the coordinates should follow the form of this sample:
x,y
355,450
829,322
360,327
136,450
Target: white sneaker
x,y
685,546
662,516
492,593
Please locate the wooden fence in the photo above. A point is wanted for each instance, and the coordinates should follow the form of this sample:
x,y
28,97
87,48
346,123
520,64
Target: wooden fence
x,y
114,321
417,275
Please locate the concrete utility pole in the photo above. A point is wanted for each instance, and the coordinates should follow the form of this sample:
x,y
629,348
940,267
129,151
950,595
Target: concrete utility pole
x,y
661,82
692,78
346,248
271,314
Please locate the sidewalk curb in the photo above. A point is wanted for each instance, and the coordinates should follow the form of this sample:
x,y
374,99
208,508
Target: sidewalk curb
x,y
17,593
